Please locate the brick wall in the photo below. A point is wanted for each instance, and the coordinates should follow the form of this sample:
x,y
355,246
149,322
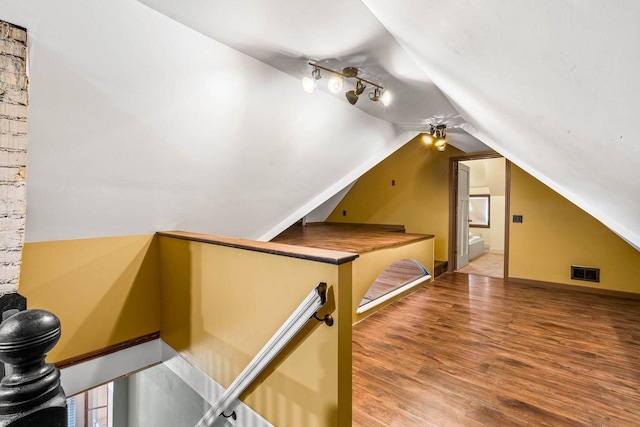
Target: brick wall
x,y
13,152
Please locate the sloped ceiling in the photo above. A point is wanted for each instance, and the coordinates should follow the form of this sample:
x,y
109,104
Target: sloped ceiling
x,y
289,34
550,85
138,123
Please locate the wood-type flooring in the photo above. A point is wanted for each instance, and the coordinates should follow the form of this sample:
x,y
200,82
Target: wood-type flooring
x,y
355,238
487,264
396,275
477,351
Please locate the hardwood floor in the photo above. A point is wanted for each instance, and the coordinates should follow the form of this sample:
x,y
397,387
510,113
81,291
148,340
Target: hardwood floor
x,y
396,275
476,351
355,238
487,264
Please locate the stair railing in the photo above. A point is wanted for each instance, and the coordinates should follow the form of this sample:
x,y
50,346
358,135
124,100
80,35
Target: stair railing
x,y
306,310
30,390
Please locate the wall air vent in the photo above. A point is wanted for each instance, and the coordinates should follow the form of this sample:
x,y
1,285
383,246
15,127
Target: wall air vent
x,y
589,274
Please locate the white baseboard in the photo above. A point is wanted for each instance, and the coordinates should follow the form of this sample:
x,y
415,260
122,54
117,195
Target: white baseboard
x,y
386,297
87,375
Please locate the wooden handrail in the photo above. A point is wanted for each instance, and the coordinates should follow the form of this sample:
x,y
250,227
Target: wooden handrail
x,y
312,254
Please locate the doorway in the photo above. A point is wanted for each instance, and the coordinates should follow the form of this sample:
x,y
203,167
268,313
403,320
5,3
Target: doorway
x,y
477,213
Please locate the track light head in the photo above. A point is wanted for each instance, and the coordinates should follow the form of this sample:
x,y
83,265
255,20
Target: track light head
x,y
385,99
427,138
375,95
311,83
353,95
438,131
336,82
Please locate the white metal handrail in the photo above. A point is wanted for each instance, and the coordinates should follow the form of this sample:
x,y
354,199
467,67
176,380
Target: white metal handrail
x,y
305,311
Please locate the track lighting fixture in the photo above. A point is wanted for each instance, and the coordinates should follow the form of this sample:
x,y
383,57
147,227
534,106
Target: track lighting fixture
x,y
436,137
336,83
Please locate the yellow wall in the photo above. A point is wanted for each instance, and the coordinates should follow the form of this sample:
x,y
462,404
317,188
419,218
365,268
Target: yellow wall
x,y
368,266
556,234
105,290
216,305
419,200
220,305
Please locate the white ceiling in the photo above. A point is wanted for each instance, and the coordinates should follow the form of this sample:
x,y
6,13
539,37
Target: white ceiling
x,y
551,85
336,34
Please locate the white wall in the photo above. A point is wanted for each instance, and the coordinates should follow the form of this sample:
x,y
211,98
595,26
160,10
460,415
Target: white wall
x,y
157,397
138,124
321,213
487,176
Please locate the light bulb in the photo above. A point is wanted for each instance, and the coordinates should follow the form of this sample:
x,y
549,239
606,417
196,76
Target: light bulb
x,y
309,84
440,143
385,99
335,83
427,139
442,148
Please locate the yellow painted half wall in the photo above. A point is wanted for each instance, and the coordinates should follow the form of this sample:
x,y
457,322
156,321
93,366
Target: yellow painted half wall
x,y
370,265
104,290
556,234
221,305
410,187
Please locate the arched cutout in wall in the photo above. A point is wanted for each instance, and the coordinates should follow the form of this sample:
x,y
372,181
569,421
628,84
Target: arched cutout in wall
x,y
395,279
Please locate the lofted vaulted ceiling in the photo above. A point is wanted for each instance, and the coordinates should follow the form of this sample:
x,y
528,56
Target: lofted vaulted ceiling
x,y
551,85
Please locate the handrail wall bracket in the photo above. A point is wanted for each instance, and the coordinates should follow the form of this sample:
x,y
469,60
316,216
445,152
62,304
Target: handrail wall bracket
x,y
322,292
327,319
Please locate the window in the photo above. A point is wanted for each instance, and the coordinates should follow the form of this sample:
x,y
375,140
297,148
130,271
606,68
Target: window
x,y
479,210
97,407
71,412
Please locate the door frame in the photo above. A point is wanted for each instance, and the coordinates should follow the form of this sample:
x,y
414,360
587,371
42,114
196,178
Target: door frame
x,y
460,225
453,205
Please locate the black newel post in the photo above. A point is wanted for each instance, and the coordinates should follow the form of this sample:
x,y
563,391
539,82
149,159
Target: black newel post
x,y
30,393
10,304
